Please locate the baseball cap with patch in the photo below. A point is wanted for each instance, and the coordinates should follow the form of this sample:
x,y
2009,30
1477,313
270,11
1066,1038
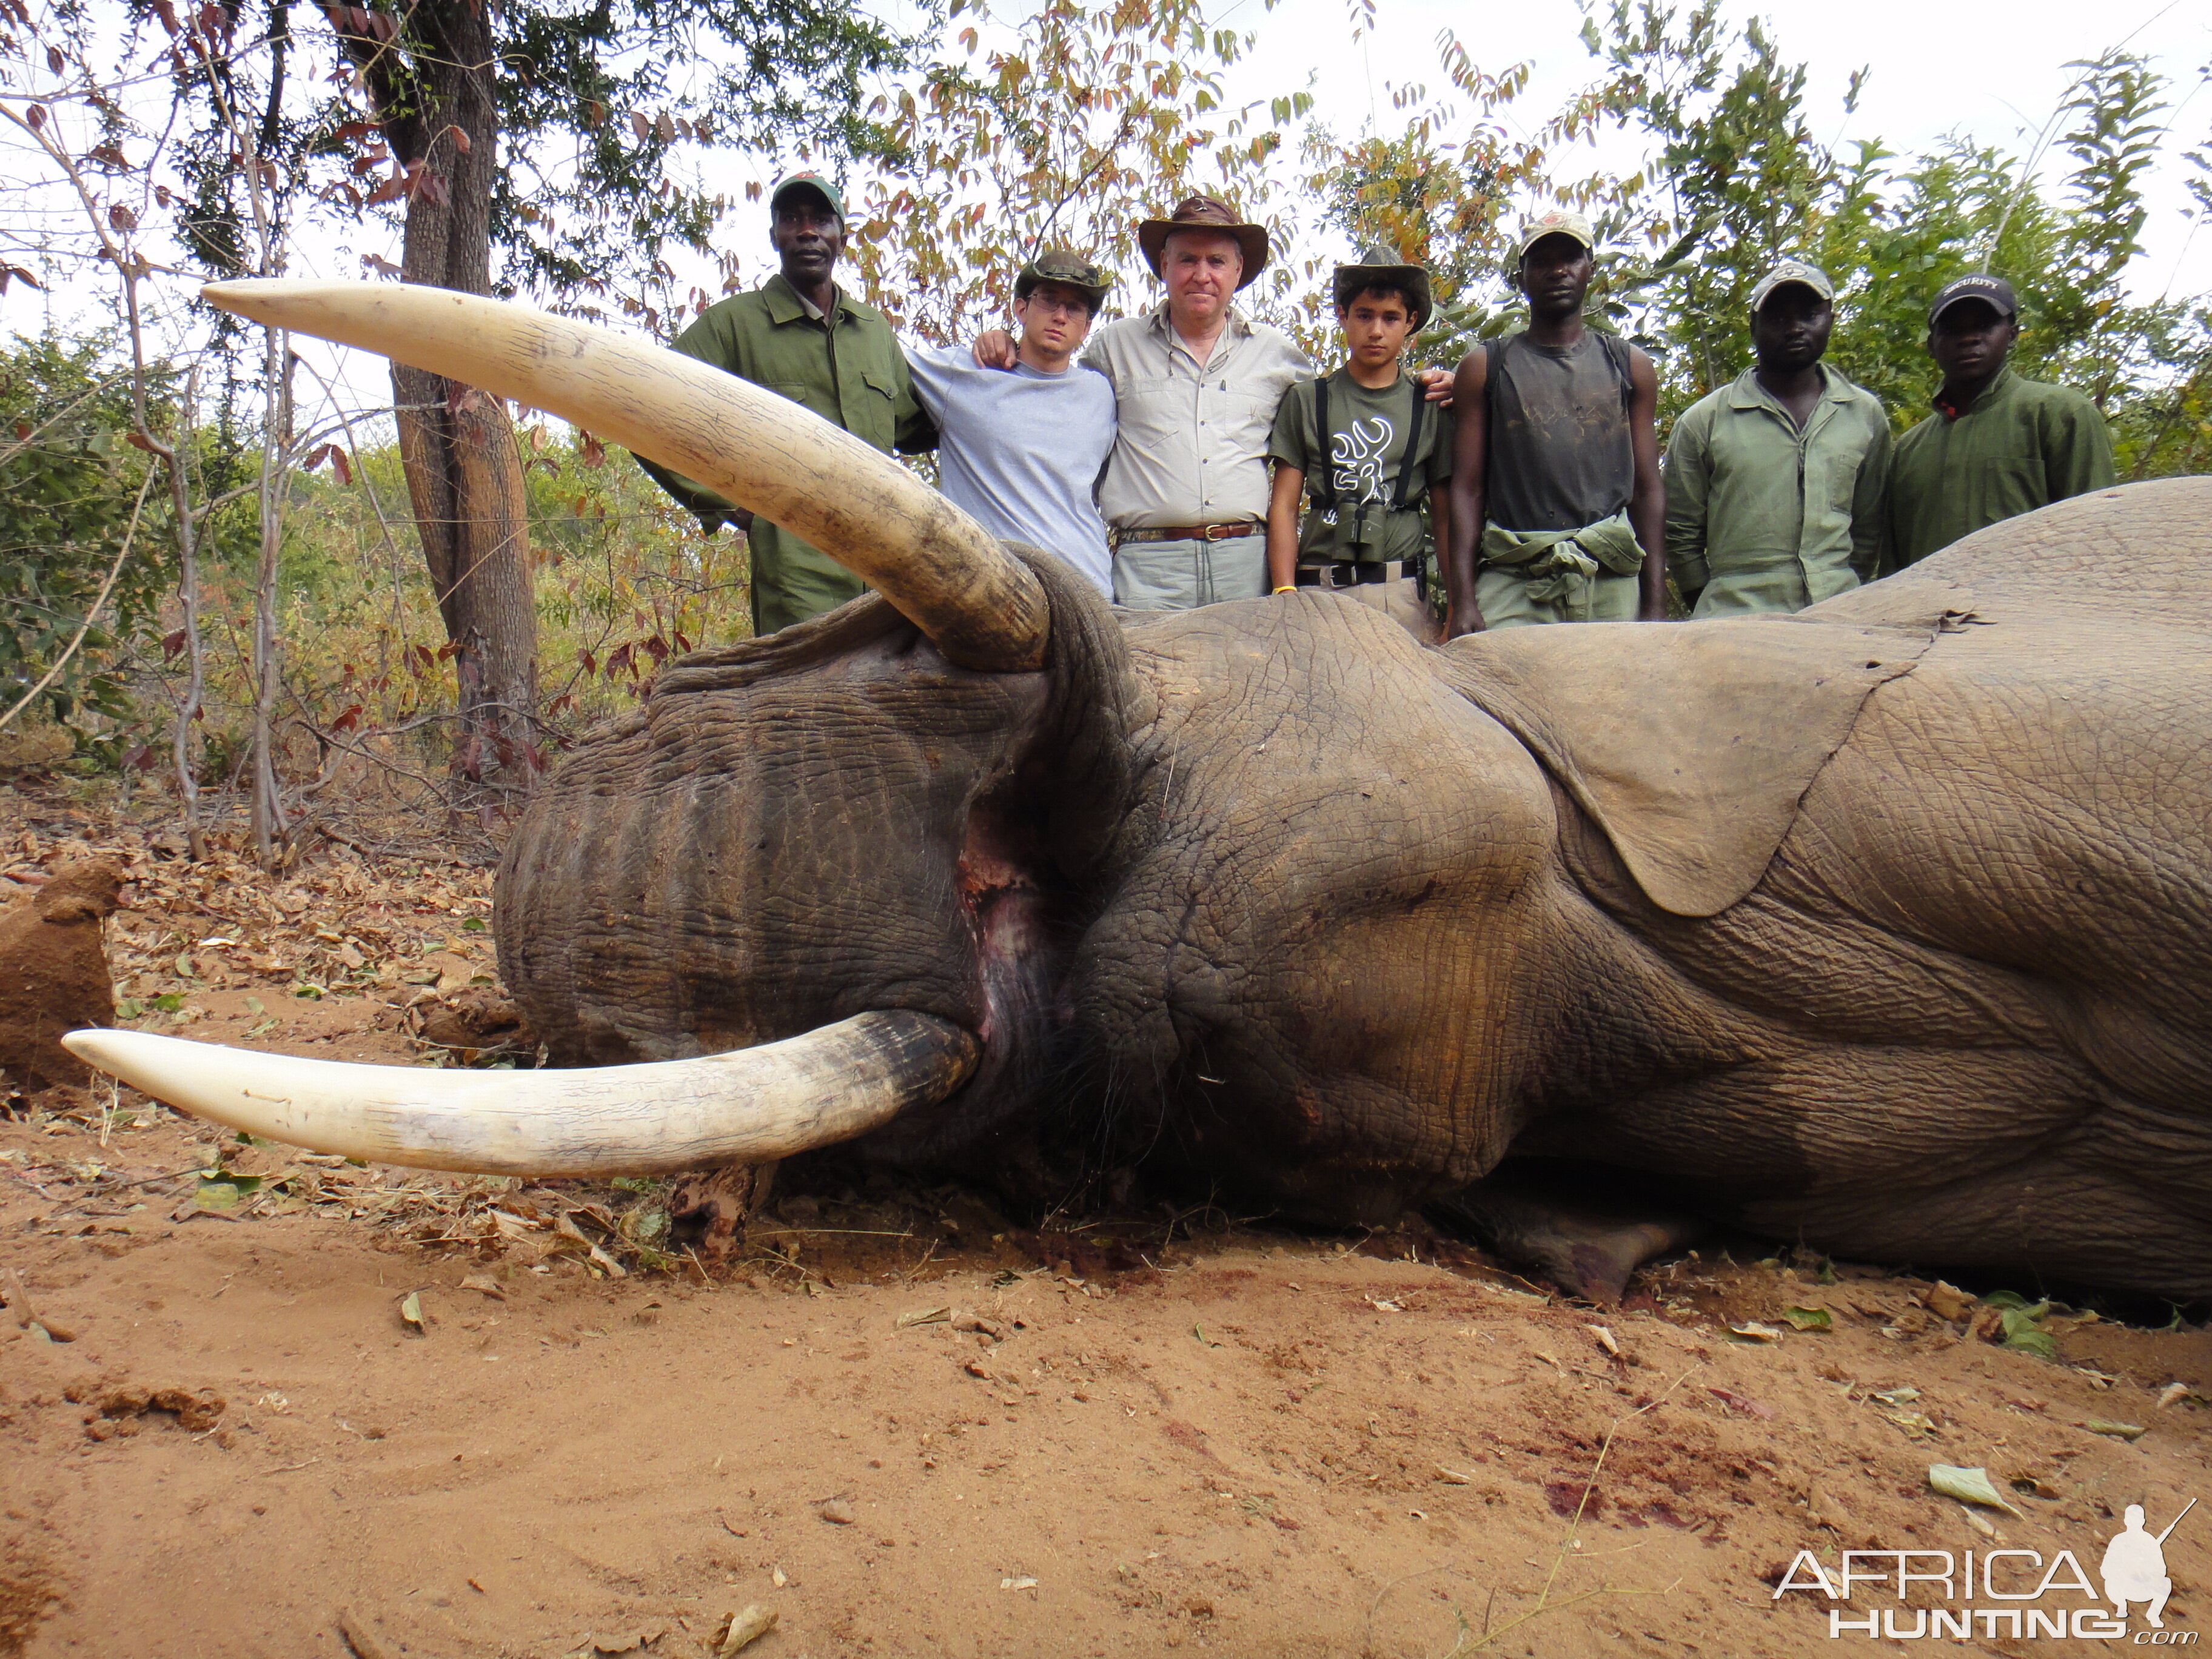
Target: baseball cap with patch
x,y
1992,291
813,181
1061,264
1793,271
1558,223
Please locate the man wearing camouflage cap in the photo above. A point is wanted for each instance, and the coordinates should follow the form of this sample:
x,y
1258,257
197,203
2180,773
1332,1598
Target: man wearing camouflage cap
x,y
1775,483
1022,452
801,336
1997,445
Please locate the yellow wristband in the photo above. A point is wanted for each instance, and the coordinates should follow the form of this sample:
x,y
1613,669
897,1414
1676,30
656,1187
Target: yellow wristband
x,y
1286,588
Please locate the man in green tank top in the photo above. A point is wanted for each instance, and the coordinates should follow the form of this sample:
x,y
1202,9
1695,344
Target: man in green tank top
x,y
1558,511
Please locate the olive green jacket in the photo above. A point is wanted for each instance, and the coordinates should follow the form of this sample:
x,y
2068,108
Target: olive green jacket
x,y
1764,516
2023,445
849,370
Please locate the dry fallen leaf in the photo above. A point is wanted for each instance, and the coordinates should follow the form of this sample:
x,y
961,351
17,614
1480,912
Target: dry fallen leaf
x,y
1605,1340
1968,1486
745,1627
486,1283
410,1309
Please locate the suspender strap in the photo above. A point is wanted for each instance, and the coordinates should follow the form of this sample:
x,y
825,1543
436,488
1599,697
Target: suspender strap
x,y
1413,444
1320,481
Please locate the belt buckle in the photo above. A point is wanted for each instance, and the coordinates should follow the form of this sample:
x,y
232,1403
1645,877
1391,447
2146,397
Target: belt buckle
x,y
1214,533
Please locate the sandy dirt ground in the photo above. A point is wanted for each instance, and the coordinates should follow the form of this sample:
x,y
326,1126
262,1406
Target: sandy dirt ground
x,y
311,1408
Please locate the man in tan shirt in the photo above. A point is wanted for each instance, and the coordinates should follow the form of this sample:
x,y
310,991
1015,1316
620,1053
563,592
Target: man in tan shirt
x,y
1185,492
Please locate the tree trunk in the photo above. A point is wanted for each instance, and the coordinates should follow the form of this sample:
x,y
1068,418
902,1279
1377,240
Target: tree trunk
x,y
464,474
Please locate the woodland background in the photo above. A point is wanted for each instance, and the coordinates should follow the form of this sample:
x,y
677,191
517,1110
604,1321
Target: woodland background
x,y
275,598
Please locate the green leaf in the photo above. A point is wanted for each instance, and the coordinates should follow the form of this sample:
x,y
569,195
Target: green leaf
x,y
2117,1431
1809,1319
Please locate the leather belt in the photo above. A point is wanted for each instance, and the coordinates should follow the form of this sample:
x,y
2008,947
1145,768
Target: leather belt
x,y
1191,533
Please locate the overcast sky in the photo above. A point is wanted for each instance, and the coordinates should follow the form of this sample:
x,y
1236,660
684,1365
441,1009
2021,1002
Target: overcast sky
x,y
1991,73
1936,67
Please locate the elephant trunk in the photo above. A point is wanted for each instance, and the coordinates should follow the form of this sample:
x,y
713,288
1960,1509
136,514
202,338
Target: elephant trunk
x,y
978,605
747,1106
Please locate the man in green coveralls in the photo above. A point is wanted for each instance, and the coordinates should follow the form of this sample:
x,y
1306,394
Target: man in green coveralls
x,y
1774,483
1997,445
799,335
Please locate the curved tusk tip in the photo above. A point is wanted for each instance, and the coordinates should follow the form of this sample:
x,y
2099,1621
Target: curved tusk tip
x,y
86,1045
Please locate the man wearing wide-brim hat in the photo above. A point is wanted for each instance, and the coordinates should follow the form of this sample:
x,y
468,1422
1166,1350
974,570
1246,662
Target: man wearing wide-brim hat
x,y
1196,382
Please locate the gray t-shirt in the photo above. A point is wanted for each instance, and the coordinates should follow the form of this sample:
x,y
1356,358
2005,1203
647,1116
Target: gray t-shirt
x,y
1021,451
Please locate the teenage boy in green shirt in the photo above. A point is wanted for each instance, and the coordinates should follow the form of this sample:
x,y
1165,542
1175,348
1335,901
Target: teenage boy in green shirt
x,y
1363,444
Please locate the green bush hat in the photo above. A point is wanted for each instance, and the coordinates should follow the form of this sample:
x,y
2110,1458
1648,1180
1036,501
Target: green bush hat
x,y
1205,213
1061,264
1793,271
815,182
1558,223
1375,267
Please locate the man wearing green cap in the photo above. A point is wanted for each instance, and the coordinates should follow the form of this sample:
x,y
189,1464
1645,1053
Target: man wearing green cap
x,y
1362,445
799,335
1022,452
1775,483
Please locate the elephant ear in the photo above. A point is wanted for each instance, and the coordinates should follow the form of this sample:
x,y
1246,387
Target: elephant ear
x,y
1691,744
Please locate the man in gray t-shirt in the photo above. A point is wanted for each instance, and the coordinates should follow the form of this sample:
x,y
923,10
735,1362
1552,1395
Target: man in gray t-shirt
x,y
1022,452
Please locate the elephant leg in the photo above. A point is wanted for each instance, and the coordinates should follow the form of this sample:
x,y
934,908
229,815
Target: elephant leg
x,y
1551,1224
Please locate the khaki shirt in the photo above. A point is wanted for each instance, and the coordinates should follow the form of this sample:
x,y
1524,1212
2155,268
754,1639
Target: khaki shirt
x,y
2023,445
847,369
1193,446
1764,516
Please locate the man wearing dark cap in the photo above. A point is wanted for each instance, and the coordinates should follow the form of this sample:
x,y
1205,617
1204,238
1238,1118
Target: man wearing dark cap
x,y
1997,445
1022,452
799,335
1557,512
1774,484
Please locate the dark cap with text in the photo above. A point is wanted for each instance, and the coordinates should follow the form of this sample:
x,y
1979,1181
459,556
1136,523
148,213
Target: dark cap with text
x,y
1990,290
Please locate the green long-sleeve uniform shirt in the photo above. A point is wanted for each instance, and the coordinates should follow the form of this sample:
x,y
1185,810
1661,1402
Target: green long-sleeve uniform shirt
x,y
2023,445
1765,516
847,369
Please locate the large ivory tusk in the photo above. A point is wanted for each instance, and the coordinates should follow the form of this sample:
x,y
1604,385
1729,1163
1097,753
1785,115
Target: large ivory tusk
x,y
978,604
748,1106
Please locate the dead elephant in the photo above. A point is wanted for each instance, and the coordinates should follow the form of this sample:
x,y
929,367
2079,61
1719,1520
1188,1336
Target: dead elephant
x,y
1888,928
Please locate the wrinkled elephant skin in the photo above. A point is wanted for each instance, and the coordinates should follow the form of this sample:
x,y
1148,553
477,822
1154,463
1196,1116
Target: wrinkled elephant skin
x,y
1887,927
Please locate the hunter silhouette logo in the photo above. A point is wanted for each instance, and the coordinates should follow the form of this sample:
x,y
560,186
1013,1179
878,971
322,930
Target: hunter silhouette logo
x,y
2133,1569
